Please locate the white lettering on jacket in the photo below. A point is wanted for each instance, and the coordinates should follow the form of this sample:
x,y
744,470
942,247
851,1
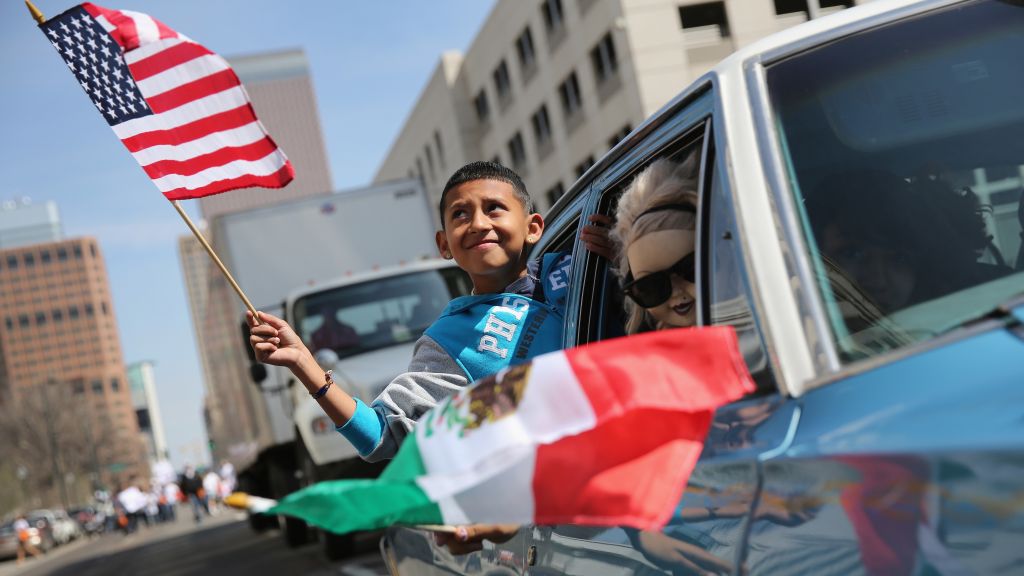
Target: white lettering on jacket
x,y
496,327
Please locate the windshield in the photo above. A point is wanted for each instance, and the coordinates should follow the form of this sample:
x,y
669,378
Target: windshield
x,y
904,148
378,313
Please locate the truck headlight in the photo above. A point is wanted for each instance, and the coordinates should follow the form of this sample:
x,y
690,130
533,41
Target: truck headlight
x,y
322,425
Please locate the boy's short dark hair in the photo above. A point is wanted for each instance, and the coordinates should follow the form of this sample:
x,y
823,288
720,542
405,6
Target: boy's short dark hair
x,y
484,170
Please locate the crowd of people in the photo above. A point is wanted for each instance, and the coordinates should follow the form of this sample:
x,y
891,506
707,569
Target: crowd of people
x,y
156,501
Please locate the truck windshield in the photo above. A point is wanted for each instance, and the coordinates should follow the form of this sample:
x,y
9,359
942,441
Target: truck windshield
x,y
375,314
905,153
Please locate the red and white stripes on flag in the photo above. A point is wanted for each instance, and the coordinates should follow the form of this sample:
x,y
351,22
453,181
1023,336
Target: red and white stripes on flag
x,y
178,107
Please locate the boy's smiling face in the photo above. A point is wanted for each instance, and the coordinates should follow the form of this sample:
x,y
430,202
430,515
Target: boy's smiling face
x,y
488,231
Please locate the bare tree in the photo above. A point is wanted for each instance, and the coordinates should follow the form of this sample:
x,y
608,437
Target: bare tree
x,y
54,446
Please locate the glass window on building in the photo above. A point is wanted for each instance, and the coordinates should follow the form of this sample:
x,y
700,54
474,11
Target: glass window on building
x,y
73,312
45,257
708,16
554,193
554,16
440,149
585,165
115,384
541,123
57,314
619,136
23,320
604,59
40,318
97,387
526,53
480,104
62,254
78,251
502,82
517,152
569,93
89,310
12,262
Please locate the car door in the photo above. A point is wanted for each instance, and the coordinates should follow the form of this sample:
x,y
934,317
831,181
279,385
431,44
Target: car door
x,y
905,164
709,527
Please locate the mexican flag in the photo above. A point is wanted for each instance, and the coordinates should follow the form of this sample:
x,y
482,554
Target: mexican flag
x,y
606,434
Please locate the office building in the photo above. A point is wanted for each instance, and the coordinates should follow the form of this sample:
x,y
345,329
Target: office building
x,y
61,363
548,87
146,403
281,91
23,223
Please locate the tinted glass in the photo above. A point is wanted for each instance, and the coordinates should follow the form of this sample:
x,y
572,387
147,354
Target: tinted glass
x,y
905,153
355,319
727,284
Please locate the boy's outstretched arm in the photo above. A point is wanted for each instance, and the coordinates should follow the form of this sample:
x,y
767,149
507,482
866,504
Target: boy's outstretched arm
x,y
595,236
275,342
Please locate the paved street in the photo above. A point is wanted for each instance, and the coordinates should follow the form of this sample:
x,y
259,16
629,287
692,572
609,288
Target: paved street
x,y
224,545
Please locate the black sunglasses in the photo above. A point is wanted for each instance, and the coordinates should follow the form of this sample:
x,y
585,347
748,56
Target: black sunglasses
x,y
655,288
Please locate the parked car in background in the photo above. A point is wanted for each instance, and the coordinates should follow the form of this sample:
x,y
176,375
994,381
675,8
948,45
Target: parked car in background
x,y
88,518
8,540
62,528
860,225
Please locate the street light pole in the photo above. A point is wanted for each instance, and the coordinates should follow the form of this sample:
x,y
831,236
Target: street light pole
x,y
58,472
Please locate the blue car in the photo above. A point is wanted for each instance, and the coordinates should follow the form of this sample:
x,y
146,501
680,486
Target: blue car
x,y
860,225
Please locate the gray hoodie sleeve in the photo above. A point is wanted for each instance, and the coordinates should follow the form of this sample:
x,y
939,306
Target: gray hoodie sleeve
x,y
433,375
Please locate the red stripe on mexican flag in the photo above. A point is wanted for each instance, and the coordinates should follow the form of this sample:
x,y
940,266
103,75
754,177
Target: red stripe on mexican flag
x,y
605,434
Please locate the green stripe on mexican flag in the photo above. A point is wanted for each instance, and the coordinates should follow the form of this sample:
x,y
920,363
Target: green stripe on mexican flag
x,y
606,434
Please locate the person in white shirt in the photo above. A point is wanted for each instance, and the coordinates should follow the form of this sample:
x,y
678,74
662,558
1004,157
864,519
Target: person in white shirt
x,y
22,529
211,485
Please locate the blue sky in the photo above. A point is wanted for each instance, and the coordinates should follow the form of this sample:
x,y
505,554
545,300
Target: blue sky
x,y
369,61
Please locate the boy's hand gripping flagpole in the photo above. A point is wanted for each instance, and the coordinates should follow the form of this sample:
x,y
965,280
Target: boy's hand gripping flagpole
x,y
178,107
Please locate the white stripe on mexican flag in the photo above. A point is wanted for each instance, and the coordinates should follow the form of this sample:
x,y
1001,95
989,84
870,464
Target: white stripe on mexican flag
x,y
605,434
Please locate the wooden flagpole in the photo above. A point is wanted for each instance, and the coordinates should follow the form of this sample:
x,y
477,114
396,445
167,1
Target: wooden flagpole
x,y
39,18
216,259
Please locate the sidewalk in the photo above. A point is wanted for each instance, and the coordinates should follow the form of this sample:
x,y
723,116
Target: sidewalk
x,y
111,543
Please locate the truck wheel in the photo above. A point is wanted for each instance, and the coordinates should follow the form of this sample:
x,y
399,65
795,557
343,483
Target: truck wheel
x,y
338,546
262,522
296,532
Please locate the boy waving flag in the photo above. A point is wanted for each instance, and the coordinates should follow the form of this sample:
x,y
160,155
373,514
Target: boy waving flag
x,y
178,107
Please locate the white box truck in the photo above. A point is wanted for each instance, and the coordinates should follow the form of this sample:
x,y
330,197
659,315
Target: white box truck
x,y
376,241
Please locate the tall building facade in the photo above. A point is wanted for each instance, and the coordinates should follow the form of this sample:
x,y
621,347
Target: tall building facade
x,y
62,367
547,87
281,90
23,223
146,403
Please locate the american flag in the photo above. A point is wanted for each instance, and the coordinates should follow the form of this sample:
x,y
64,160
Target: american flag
x,y
178,108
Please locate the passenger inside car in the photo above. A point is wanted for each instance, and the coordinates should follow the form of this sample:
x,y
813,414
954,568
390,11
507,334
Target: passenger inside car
x,y
654,237
896,242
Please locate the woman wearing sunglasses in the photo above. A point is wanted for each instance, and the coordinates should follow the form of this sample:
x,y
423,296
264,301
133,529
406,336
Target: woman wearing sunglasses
x,y
654,237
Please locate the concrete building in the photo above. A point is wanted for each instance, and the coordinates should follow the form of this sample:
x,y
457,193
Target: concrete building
x,y
23,223
281,91
60,356
146,403
548,87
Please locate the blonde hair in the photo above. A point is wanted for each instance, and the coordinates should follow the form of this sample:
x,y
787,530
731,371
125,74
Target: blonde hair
x,y
662,183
